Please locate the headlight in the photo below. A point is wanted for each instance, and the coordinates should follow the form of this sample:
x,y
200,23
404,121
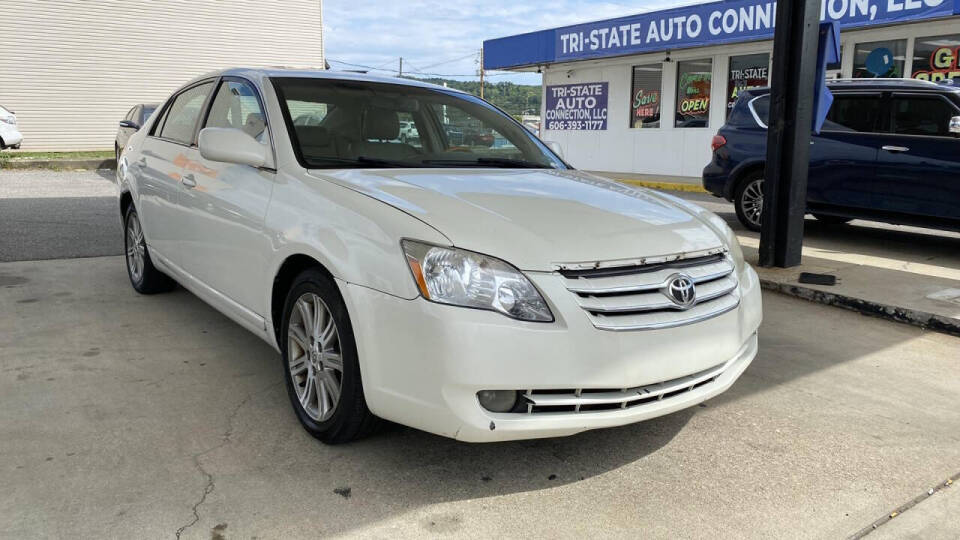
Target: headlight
x,y
8,119
464,278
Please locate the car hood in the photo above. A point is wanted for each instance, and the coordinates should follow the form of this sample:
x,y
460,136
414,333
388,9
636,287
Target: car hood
x,y
537,219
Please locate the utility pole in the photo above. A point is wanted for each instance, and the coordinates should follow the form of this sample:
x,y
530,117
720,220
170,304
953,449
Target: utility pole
x,y
795,44
400,71
481,73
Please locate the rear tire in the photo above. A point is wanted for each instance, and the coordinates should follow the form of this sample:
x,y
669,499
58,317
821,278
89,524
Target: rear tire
x,y
832,220
144,277
748,200
320,362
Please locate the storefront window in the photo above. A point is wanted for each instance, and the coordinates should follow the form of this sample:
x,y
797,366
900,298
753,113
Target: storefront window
x,y
693,93
880,59
746,72
645,96
935,58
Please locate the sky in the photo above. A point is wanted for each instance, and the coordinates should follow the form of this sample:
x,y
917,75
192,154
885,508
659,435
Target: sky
x,y
444,37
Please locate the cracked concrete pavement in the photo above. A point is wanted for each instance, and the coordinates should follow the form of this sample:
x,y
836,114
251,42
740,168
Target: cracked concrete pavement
x,y
130,416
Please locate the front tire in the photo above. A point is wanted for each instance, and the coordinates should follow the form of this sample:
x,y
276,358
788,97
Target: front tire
x,y
748,201
320,362
144,277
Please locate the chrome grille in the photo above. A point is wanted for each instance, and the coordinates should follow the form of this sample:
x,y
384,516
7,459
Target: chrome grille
x,y
635,297
586,400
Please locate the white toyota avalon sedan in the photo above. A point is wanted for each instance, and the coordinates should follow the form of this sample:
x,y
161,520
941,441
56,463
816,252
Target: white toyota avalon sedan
x,y
476,291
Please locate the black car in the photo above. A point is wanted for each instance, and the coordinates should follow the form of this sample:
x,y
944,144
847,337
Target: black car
x,y
889,151
131,123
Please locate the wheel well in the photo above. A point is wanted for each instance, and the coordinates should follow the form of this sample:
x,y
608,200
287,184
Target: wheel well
x,y
289,270
125,201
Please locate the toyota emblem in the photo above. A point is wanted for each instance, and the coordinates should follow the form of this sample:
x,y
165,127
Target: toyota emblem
x,y
681,290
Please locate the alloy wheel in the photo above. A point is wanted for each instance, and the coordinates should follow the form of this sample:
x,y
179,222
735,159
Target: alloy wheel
x,y
315,358
752,201
136,248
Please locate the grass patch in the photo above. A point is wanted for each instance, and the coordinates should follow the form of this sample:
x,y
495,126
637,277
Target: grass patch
x,y
89,154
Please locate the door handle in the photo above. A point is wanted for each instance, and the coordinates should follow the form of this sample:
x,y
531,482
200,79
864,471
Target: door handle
x,y
895,148
188,181
142,162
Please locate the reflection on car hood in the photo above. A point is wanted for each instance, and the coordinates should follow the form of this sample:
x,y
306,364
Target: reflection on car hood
x,y
536,219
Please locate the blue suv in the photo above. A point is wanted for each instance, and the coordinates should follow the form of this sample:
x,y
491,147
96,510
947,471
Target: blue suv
x,y
889,151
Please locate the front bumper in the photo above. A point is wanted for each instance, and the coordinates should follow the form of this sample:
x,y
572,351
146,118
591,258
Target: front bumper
x,y
423,363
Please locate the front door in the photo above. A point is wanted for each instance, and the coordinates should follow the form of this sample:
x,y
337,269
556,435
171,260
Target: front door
x,y
919,162
160,167
225,204
843,156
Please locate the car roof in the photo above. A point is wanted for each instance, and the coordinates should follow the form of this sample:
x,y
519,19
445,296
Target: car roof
x,y
875,84
327,74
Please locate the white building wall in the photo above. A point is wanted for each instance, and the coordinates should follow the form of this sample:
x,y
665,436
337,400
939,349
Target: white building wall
x,y
71,69
680,152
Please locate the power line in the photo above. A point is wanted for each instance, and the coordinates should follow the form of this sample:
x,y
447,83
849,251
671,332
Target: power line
x,y
471,55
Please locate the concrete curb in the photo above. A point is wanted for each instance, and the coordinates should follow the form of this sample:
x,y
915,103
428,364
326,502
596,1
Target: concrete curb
x,y
58,164
922,319
671,186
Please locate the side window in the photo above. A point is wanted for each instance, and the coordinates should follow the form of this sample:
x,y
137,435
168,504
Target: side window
x,y
158,125
145,113
760,109
854,113
184,112
922,115
236,106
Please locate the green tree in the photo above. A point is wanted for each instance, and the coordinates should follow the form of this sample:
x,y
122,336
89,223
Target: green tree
x,y
515,99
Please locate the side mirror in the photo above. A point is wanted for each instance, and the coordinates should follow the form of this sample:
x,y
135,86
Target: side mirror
x,y
129,124
555,146
231,145
955,125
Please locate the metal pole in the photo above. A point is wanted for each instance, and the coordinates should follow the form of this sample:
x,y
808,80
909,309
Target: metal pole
x,y
481,73
795,44
400,73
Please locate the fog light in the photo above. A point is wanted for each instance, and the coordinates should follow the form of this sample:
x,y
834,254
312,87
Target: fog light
x,y
497,400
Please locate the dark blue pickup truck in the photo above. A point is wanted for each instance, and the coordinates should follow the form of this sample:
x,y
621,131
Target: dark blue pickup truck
x,y
889,151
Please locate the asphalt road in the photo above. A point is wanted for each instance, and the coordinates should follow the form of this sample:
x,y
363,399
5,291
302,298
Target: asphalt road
x,y
55,215
130,416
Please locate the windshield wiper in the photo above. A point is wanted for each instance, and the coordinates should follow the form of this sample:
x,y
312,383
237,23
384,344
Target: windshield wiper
x,y
363,161
489,162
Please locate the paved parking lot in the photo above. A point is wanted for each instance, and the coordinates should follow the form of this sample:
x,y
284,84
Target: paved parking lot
x,y
130,416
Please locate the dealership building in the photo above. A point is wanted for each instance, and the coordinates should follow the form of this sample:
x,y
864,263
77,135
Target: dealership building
x,y
71,69
645,94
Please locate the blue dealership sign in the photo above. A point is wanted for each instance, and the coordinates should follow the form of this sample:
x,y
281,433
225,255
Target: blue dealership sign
x,y
692,26
579,107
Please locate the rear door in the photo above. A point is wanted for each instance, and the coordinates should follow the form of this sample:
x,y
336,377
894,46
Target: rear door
x,y
159,167
843,157
919,161
224,204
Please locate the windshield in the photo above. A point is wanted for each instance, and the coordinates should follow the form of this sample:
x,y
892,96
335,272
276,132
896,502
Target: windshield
x,y
337,124
147,111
